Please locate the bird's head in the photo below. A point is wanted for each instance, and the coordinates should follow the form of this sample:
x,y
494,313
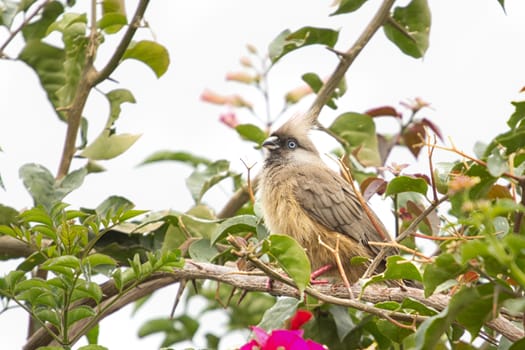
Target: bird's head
x,y
290,143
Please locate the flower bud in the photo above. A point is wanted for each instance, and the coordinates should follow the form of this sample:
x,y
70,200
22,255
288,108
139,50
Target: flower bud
x,y
212,97
229,119
241,77
295,95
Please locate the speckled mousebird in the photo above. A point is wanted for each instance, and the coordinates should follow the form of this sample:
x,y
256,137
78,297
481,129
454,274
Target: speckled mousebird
x,y
304,198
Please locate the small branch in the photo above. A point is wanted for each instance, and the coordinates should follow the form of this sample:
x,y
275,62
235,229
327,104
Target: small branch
x,y
15,32
453,149
409,230
371,216
113,62
347,58
89,79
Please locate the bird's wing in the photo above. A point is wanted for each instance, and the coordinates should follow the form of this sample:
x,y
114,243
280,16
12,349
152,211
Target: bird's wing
x,y
329,200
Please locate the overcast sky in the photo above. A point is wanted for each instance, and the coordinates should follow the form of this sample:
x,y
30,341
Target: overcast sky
x,y
472,70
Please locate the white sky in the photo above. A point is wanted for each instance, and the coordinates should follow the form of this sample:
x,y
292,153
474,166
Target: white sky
x,y
472,70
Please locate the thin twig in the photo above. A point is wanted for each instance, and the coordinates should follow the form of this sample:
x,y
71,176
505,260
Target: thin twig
x,y
347,58
409,230
335,252
373,219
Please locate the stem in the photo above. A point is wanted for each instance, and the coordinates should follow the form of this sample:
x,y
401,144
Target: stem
x,y
114,61
409,230
91,78
347,58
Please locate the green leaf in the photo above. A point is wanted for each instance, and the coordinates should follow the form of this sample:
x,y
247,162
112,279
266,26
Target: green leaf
x,y
84,289
516,119
346,6
201,250
31,261
10,281
359,131
116,98
343,321
43,187
47,315
398,268
48,63
108,144
97,259
513,140
496,164
8,11
93,347
236,224
251,132
291,257
38,29
315,83
61,263
113,16
79,313
393,332
287,41
443,269
201,180
411,30
113,205
403,183
151,53
183,157
276,316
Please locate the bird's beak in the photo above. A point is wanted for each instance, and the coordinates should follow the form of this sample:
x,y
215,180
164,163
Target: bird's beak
x,y
271,143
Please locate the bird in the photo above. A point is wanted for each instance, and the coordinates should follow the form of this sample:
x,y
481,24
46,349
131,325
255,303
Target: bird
x,y
301,196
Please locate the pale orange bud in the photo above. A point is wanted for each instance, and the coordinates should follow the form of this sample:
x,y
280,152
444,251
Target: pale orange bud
x,y
238,101
241,77
251,48
246,62
212,97
295,95
229,119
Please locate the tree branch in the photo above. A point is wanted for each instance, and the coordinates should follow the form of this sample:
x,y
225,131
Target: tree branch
x,y
347,58
113,62
335,294
91,78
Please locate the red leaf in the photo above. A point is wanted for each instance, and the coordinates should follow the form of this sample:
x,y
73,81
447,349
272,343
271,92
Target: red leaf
x,y
383,111
371,186
413,137
432,127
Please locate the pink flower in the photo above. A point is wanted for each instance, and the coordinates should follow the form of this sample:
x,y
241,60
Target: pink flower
x,y
280,339
229,119
284,339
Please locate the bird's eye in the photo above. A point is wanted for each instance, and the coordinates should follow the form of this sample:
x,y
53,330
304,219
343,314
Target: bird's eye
x,y
292,144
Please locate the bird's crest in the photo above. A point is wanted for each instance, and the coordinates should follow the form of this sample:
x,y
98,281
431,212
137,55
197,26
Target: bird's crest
x,y
298,126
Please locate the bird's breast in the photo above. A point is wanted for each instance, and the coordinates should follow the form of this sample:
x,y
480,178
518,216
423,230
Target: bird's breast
x,y
282,212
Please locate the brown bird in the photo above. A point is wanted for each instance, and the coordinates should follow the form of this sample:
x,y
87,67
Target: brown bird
x,y
302,197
